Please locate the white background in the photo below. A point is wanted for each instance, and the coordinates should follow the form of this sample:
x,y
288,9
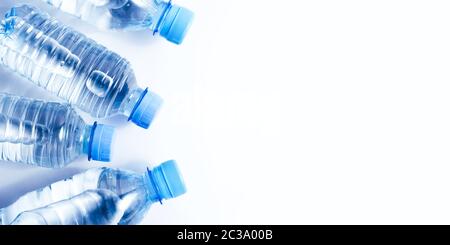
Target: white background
x,y
287,112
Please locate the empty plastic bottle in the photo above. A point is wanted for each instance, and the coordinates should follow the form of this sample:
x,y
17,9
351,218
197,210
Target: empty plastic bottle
x,y
48,134
92,207
74,67
142,190
170,21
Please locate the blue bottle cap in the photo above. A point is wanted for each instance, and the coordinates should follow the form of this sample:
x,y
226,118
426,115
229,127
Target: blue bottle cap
x,y
176,24
100,143
167,180
145,109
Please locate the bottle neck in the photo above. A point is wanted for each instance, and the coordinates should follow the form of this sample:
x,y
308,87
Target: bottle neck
x,y
163,10
152,191
86,139
130,103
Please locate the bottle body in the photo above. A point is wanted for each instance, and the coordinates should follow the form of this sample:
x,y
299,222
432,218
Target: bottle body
x,y
58,191
45,134
121,182
115,14
92,207
137,191
70,65
158,16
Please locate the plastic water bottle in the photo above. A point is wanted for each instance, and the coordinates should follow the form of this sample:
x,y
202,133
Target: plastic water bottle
x,y
93,207
170,21
48,134
142,190
74,67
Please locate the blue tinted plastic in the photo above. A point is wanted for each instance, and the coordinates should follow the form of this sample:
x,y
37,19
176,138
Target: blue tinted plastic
x,y
46,134
171,21
70,65
138,190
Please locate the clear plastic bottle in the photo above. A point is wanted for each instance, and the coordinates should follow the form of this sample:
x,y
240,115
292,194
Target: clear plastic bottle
x,y
74,67
141,190
92,207
48,134
170,21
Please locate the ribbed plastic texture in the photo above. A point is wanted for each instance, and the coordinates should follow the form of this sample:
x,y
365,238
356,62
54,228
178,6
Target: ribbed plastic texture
x,y
153,15
40,133
58,191
68,64
139,190
93,207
